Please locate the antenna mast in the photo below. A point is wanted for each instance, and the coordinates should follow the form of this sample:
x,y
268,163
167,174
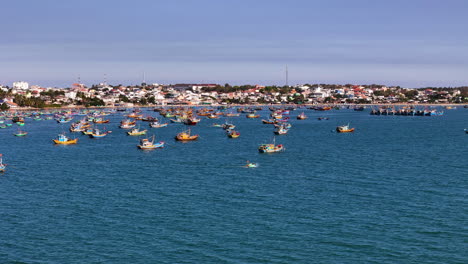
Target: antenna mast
x,y
287,75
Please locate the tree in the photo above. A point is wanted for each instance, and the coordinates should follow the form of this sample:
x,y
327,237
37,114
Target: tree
x,y
4,107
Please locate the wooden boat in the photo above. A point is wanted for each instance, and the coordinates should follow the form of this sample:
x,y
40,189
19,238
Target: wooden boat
x,y
344,129
302,116
136,132
269,121
126,124
227,126
97,133
191,121
2,165
186,136
21,133
157,125
62,139
270,148
100,121
147,144
252,115
233,134
281,130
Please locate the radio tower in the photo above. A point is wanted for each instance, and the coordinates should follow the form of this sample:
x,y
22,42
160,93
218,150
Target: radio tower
x,y
286,75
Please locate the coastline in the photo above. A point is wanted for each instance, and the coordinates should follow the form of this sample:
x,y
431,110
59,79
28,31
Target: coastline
x,y
230,105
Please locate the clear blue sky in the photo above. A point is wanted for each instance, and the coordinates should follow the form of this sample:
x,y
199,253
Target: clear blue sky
x,y
400,42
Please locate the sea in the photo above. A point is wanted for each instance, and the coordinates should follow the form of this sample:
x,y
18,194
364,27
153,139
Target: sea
x,y
394,191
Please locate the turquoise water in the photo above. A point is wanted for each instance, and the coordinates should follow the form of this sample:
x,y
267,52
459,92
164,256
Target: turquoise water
x,y
395,191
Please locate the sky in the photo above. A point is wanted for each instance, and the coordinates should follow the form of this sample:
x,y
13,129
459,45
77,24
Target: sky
x,y
415,43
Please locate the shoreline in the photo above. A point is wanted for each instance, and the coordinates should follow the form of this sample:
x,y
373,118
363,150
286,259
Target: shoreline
x,y
230,105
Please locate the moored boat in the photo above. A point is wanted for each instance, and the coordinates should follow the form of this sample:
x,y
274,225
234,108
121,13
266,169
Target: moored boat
x,y
186,136
270,148
62,139
302,116
20,133
147,144
233,134
136,132
344,129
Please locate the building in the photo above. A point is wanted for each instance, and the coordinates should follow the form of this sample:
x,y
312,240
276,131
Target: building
x,y
21,85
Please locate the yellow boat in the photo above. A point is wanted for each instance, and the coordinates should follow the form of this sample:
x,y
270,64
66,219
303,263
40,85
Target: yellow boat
x,y
136,132
344,129
233,134
64,140
185,136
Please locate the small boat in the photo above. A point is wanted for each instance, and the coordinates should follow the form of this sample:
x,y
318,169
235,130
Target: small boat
x,y
126,124
252,115
216,125
270,148
136,132
157,125
191,121
227,126
322,118
97,133
269,121
344,129
147,144
302,116
100,121
186,136
281,130
62,139
251,165
233,134
466,130
2,165
21,133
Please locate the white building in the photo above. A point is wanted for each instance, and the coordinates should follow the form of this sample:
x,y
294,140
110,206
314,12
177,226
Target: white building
x,y
21,85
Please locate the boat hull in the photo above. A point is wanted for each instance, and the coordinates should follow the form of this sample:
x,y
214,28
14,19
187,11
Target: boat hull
x,y
69,142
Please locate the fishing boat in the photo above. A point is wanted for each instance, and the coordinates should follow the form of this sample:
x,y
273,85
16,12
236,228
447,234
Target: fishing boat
x,y
21,133
186,136
270,148
227,126
97,133
269,121
157,124
217,125
2,165
136,132
191,121
344,129
147,144
252,115
281,130
302,116
62,139
127,124
100,121
233,134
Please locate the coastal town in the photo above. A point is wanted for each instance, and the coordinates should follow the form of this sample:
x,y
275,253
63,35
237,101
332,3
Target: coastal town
x,y
21,94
